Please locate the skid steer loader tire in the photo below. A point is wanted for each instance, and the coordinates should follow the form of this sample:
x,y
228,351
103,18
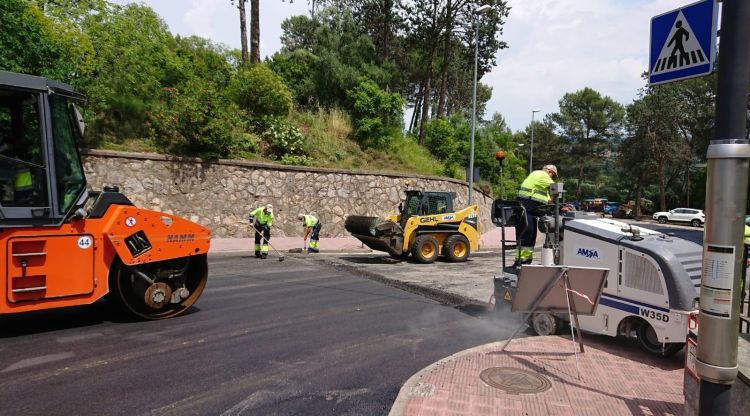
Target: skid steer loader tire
x,y
456,248
425,249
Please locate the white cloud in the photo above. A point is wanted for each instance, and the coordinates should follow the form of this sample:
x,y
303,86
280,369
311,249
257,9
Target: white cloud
x,y
200,17
560,46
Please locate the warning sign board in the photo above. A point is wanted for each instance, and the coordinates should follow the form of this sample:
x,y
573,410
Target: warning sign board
x,y
683,42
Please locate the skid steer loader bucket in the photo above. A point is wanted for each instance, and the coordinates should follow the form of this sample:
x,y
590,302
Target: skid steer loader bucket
x,y
376,233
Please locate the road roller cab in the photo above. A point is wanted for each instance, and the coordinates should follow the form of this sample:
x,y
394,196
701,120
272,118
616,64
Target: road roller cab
x,y
65,245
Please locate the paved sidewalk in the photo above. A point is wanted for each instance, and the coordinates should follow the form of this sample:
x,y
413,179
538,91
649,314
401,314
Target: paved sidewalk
x,y
615,379
489,241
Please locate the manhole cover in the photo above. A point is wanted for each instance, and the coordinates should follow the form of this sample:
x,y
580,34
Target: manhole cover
x,y
515,380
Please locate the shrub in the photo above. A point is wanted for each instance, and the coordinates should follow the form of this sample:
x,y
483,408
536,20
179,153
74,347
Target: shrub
x,y
260,91
376,114
296,160
285,138
296,69
441,139
196,122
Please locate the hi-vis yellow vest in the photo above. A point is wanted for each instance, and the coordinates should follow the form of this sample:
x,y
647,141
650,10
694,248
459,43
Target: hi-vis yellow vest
x,y
536,186
23,180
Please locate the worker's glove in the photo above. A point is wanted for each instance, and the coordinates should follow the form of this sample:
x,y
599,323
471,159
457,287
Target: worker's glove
x,y
266,228
251,219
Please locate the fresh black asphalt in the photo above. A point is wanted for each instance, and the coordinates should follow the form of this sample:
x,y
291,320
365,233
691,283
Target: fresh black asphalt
x,y
266,338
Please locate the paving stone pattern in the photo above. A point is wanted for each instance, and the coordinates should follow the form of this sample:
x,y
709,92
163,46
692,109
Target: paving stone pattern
x,y
615,380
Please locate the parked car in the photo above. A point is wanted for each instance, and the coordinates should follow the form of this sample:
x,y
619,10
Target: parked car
x,y
695,217
611,207
593,204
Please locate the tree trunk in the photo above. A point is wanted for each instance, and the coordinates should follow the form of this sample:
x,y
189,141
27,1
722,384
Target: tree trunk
x,y
638,187
579,191
254,31
388,13
446,59
243,30
687,186
662,186
415,113
426,98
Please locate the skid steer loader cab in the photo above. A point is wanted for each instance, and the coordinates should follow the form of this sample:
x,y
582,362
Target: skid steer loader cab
x,y
420,203
64,245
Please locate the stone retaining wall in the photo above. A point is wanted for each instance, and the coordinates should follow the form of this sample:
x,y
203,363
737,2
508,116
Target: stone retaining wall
x,y
220,194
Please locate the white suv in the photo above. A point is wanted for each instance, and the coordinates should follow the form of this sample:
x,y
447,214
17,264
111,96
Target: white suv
x,y
695,217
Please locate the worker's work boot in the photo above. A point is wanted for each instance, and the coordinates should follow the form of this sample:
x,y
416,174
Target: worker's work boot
x,y
257,254
263,256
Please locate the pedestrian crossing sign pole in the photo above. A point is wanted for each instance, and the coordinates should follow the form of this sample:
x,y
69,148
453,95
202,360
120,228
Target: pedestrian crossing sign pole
x,y
683,42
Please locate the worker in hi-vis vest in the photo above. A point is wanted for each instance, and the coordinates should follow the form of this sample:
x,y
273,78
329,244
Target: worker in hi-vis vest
x,y
24,185
262,219
312,226
534,192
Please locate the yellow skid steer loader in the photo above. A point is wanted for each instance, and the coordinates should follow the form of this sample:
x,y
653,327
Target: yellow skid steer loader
x,y
426,226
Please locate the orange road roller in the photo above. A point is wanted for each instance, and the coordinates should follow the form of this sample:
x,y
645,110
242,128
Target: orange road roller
x,y
66,245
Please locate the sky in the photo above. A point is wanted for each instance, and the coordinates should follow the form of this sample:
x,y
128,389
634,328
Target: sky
x,y
555,46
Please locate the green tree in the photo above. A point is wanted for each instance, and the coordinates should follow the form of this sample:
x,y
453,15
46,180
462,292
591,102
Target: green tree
x,y
134,58
654,144
441,140
199,58
343,54
549,147
297,68
33,43
376,114
590,124
197,122
261,92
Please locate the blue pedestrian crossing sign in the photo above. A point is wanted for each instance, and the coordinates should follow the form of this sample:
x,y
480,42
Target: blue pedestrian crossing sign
x,y
683,42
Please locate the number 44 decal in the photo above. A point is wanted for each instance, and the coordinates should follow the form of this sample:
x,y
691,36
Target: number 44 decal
x,y
649,313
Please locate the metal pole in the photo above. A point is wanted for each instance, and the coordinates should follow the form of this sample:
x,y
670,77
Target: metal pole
x,y
502,229
531,148
474,107
726,199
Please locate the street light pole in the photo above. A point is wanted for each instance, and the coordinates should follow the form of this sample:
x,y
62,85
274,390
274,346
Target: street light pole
x,y
531,150
477,12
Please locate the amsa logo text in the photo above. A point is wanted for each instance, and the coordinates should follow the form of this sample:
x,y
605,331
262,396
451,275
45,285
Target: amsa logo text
x,y
589,253
449,217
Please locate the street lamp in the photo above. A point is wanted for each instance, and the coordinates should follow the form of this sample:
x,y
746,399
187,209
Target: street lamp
x,y
531,150
479,10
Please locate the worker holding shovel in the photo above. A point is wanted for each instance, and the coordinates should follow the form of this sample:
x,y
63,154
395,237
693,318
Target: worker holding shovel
x,y
312,227
262,219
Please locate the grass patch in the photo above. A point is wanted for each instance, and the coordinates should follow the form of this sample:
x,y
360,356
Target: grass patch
x,y
328,143
130,145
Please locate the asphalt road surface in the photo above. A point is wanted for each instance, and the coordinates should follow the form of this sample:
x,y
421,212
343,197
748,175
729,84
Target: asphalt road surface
x,y
266,338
